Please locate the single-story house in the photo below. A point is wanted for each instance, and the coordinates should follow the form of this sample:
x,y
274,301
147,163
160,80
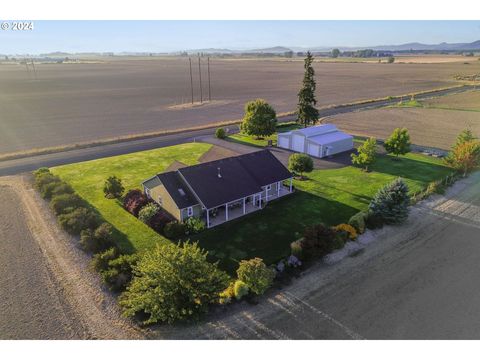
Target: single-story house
x,y
221,190
318,141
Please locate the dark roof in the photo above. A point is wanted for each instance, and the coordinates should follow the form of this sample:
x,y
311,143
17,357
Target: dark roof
x,y
177,189
240,176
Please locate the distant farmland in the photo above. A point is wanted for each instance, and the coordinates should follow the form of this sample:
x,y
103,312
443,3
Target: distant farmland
x,y
71,103
433,127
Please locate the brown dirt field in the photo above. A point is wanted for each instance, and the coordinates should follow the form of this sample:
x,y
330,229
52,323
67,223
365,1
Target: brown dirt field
x,y
465,101
47,290
71,103
428,127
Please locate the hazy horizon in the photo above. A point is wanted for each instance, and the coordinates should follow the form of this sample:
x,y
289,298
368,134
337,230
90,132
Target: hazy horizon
x,y
174,36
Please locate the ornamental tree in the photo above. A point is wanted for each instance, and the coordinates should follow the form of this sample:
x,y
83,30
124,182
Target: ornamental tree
x,y
464,157
113,188
256,275
173,283
390,204
398,143
300,163
366,154
260,119
306,112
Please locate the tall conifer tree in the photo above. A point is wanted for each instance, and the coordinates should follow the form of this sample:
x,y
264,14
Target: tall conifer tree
x,y
306,112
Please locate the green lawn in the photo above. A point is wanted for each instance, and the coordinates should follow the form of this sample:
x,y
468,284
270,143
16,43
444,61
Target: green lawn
x,y
87,178
253,141
328,196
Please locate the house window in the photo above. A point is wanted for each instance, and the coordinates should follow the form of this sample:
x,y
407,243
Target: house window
x,y
190,211
160,202
269,187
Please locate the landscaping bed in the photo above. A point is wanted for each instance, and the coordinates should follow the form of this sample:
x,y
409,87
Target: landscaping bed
x,y
262,142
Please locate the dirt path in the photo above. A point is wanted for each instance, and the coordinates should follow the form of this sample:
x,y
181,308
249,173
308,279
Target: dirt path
x,y
49,292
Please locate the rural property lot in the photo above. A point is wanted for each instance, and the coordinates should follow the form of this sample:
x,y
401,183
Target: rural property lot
x,y
464,101
71,103
431,127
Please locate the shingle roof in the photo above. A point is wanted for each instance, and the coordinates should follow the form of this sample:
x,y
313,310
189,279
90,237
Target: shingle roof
x,y
177,189
240,176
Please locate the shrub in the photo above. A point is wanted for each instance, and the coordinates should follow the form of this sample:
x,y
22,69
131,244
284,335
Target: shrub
x,y
390,204
134,200
194,225
62,188
296,249
148,212
113,188
220,133
256,275
358,221
159,220
119,272
227,294
40,171
373,221
77,220
391,60
318,240
173,283
45,182
100,261
98,240
349,229
60,203
174,230
240,289
300,163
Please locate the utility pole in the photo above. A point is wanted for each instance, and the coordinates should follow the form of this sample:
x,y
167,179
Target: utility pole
x,y
34,70
208,66
191,77
200,74
26,65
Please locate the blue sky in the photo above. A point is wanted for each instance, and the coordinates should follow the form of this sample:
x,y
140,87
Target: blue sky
x,y
161,36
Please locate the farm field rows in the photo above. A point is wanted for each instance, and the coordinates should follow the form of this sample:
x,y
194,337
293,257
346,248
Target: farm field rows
x,y
329,196
71,103
432,123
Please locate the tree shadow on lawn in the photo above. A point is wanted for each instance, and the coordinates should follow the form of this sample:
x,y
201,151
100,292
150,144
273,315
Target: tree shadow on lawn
x,y
268,233
421,171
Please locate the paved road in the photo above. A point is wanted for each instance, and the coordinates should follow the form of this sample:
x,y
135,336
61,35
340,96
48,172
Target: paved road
x,y
420,281
12,167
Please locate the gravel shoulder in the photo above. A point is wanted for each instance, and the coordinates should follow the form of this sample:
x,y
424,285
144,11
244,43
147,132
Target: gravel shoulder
x,y
49,292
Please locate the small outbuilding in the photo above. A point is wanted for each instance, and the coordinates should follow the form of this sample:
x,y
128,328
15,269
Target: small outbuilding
x,y
318,141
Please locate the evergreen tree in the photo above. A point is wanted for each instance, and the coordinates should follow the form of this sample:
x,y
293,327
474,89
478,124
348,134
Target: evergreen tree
x,y
306,112
465,136
390,204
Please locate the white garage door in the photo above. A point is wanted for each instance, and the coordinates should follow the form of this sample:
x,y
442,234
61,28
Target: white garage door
x,y
283,142
313,149
298,143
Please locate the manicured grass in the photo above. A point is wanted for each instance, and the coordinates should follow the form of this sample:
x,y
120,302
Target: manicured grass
x,y
253,141
87,178
328,196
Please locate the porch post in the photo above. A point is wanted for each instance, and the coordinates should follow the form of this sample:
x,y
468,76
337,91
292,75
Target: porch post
x,y
291,182
226,212
243,206
278,188
260,202
208,218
